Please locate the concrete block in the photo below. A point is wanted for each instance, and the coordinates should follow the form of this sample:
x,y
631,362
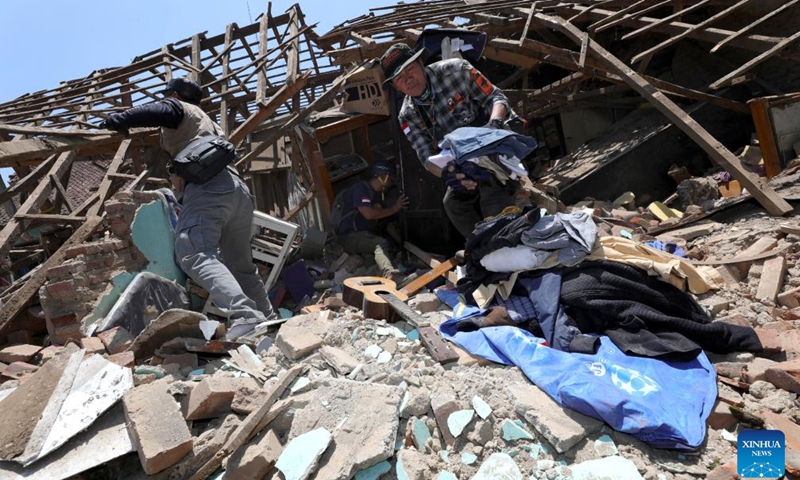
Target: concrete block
x,y
561,427
300,335
299,459
499,465
363,419
116,340
622,468
48,353
93,345
156,426
757,370
721,417
771,279
790,298
123,359
340,360
785,375
247,398
19,370
425,302
255,460
213,396
18,353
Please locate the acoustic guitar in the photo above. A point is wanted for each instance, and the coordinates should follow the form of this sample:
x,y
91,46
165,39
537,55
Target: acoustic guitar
x,y
379,299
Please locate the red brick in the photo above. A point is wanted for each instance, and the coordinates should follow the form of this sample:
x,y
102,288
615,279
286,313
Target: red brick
x,y
116,340
156,426
124,359
213,396
48,353
19,353
73,252
63,320
59,271
18,370
785,375
62,290
726,471
93,345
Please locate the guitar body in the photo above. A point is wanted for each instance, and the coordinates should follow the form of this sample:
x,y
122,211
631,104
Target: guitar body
x,y
361,292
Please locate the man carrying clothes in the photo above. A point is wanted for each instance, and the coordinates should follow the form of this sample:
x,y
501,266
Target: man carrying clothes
x,y
440,98
364,217
213,234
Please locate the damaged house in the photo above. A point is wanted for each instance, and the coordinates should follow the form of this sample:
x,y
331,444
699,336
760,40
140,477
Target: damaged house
x,y
658,333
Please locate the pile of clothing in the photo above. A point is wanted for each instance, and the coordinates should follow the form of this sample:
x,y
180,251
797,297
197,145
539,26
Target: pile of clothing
x,y
604,326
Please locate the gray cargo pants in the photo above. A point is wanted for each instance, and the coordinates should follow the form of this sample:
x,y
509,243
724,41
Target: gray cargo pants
x,y
212,244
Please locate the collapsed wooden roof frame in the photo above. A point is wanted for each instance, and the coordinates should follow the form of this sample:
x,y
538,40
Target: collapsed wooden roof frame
x,y
254,75
543,24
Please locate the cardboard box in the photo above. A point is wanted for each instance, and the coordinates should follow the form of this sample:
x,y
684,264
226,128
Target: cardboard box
x,y
364,93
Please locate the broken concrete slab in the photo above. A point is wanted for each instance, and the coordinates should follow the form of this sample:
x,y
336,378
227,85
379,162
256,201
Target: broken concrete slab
x,y
363,418
299,458
107,440
173,323
613,468
247,398
499,465
25,405
19,353
785,375
93,345
96,386
300,335
116,340
412,465
255,460
340,360
156,426
19,371
425,302
213,396
563,428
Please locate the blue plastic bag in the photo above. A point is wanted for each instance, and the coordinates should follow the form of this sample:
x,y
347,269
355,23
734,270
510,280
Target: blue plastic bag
x,y
664,404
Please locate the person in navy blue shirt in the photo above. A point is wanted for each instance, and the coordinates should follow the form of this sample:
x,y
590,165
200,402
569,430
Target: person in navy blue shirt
x,y
364,219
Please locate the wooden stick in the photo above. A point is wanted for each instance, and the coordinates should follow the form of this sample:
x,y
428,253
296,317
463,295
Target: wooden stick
x,y
249,425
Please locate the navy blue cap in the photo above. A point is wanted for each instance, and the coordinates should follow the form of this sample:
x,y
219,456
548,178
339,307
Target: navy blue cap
x,y
381,168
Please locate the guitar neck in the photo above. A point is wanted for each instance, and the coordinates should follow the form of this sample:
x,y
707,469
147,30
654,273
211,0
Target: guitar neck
x,y
437,347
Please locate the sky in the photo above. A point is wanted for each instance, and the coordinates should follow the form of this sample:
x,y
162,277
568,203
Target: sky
x,y
49,41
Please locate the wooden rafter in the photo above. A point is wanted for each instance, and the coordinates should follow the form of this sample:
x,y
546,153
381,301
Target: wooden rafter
x,y
771,201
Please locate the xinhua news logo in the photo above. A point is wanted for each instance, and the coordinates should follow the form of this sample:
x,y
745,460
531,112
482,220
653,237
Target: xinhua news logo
x,y
762,454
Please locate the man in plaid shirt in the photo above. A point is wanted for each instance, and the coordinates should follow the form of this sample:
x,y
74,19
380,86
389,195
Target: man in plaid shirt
x,y
439,98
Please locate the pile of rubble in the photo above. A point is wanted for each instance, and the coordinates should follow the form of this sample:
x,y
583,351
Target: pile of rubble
x,y
333,395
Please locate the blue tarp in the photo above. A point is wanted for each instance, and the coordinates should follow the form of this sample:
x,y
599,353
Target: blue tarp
x,y
664,404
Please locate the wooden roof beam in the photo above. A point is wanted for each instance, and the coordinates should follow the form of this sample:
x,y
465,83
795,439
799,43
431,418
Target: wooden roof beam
x,y
771,201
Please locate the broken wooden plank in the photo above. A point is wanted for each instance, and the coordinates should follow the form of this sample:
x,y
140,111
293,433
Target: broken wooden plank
x,y
36,148
105,191
727,79
418,283
665,20
676,38
326,132
41,217
771,201
20,299
35,201
30,181
250,424
750,26
771,279
266,110
765,131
